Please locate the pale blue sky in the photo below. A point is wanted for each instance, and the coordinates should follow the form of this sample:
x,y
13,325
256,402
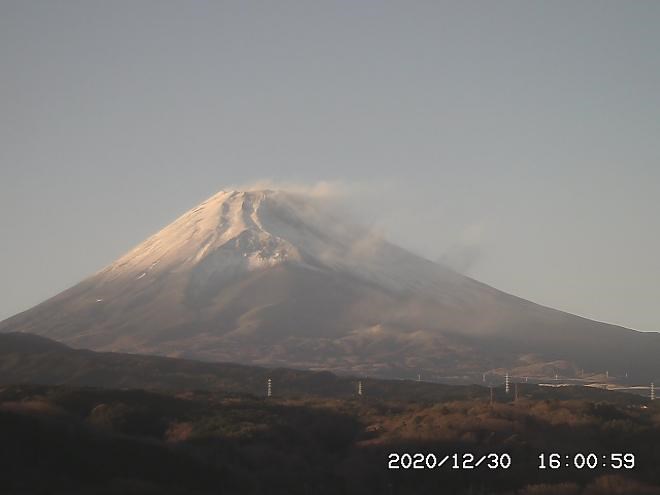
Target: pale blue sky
x,y
523,137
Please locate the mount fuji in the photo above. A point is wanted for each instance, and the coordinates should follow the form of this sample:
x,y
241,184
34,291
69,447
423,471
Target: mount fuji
x,y
272,278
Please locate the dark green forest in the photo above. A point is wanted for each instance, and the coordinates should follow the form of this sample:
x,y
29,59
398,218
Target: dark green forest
x,y
81,440
80,422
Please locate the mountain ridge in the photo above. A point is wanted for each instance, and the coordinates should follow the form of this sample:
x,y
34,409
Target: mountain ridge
x,y
272,278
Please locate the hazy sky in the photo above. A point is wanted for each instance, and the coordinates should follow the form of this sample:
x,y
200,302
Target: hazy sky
x,y
518,140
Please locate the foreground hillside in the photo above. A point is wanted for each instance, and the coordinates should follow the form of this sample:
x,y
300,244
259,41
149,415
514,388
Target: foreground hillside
x,y
26,358
68,440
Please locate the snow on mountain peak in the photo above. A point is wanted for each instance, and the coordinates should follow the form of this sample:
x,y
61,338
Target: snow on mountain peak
x,y
228,224
237,231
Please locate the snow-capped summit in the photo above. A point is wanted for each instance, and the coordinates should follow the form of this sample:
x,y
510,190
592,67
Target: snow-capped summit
x,y
226,228
240,231
272,277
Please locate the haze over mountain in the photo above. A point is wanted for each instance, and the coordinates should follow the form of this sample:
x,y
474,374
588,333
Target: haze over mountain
x,y
270,277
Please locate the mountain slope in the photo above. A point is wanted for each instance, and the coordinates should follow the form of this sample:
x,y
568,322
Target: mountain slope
x,y
27,359
268,277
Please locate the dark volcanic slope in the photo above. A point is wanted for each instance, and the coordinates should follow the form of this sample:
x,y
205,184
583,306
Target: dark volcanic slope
x,y
26,358
268,278
31,359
